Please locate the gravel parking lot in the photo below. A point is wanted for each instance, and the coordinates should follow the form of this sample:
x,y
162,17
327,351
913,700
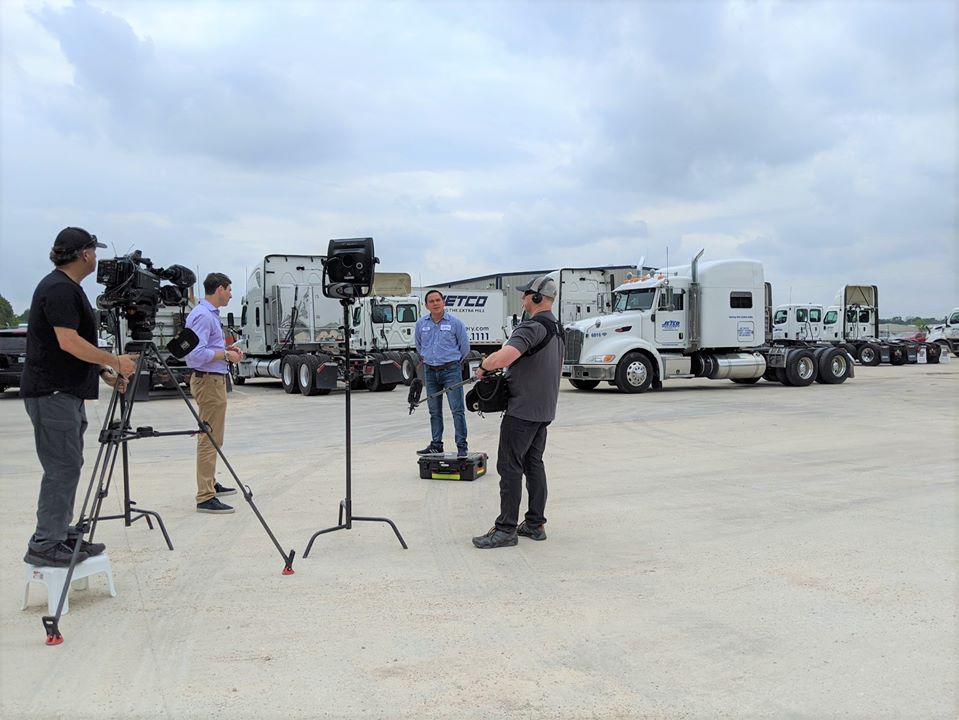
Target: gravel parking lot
x,y
714,551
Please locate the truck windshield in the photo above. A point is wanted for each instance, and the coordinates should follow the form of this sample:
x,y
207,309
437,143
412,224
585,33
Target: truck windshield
x,y
634,299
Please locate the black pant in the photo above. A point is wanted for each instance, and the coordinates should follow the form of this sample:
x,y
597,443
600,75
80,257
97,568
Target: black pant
x,y
521,447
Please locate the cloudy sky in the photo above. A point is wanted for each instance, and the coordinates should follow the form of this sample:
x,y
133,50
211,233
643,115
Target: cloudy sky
x,y
477,137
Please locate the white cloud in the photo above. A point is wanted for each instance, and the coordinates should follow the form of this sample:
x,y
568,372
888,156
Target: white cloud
x,y
470,138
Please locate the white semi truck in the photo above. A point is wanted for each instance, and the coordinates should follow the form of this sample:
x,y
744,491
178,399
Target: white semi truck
x,y
706,319
853,322
290,331
946,336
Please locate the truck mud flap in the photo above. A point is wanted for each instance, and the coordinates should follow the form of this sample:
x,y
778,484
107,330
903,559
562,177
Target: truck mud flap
x,y
326,376
390,372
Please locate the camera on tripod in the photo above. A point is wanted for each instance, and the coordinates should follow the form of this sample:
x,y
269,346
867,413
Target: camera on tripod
x,y
133,287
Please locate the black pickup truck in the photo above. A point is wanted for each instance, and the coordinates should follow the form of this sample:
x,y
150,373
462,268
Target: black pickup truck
x,y
13,352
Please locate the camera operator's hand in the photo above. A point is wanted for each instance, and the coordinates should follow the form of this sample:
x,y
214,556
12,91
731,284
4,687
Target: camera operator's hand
x,y
126,364
117,381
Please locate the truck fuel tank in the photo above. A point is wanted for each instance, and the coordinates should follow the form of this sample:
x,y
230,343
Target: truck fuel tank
x,y
731,366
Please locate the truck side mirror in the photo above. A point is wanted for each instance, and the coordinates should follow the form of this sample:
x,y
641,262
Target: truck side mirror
x,y
229,319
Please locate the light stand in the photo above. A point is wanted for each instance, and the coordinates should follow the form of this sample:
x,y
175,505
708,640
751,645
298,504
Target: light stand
x,y
349,267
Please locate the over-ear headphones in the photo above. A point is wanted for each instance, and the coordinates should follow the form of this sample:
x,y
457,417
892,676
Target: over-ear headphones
x,y
537,296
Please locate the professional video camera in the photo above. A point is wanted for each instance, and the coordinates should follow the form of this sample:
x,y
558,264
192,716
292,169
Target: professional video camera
x,y
133,287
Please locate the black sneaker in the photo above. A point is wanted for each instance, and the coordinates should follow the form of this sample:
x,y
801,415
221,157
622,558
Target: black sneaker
x,y
494,539
462,451
531,531
213,505
91,549
221,491
431,449
57,556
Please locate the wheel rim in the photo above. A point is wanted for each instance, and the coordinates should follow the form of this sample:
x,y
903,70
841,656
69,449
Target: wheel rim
x,y
805,367
868,355
838,365
636,373
304,375
288,374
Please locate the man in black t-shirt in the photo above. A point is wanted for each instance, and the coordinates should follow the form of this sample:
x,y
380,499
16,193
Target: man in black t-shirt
x,y
60,373
534,356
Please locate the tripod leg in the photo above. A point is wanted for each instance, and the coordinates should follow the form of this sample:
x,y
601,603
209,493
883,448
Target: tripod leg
x,y
247,493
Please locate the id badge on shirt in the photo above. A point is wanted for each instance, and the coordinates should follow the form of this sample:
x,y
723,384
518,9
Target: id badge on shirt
x,y
447,327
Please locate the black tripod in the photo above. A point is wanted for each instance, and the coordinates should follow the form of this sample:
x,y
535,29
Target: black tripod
x,y
114,436
346,517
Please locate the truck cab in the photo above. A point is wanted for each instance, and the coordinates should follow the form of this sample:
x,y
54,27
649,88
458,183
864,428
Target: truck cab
x,y
798,322
947,334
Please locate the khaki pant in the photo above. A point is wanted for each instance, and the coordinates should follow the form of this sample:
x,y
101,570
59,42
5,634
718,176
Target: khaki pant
x,y
209,391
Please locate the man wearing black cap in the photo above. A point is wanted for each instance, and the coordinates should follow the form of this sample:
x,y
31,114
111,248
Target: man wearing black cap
x,y
534,356
60,372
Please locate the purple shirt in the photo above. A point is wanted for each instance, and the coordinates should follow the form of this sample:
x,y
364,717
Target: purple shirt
x,y
204,320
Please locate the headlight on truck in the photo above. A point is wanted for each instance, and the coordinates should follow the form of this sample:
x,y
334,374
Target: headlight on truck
x,y
601,359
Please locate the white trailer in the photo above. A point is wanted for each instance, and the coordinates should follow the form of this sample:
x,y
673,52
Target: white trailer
x,y
482,312
706,319
290,331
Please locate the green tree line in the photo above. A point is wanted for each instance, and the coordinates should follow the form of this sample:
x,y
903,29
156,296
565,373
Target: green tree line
x,y
8,318
920,322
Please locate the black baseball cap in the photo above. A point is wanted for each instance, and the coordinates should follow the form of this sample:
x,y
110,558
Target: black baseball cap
x,y
74,238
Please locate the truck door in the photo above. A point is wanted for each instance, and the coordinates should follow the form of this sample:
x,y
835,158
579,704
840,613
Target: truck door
x,y
670,322
830,325
802,323
815,324
406,317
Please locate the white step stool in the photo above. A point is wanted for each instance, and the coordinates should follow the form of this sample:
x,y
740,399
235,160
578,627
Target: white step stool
x,y
54,577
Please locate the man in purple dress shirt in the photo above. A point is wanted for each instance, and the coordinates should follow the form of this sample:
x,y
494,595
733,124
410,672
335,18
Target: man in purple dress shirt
x,y
210,363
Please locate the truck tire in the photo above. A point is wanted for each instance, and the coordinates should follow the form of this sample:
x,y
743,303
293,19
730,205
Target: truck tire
x,y
375,385
584,384
634,374
408,366
289,369
306,375
933,353
782,376
801,368
833,366
897,355
235,374
770,374
869,355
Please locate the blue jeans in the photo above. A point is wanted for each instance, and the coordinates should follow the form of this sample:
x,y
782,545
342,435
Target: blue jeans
x,y
436,380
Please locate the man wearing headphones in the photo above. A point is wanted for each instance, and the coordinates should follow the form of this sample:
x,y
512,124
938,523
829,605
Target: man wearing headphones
x,y
442,342
533,394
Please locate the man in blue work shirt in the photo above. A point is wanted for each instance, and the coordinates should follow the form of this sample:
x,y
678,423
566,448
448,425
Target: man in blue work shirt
x,y
442,342
210,363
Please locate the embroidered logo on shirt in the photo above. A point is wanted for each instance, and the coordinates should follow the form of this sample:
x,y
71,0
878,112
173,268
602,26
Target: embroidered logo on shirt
x,y
445,327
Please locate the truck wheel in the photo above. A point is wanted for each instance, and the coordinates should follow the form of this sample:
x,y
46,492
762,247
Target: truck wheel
x,y
801,368
782,376
408,366
770,374
306,375
833,367
235,374
584,384
869,355
897,355
933,353
634,374
289,368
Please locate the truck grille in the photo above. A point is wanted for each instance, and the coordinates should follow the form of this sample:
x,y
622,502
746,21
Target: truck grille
x,y
574,346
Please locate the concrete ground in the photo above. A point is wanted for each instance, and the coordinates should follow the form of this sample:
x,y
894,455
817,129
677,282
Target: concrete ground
x,y
714,551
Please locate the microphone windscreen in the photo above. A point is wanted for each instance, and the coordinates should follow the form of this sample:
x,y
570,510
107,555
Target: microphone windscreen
x,y
416,391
